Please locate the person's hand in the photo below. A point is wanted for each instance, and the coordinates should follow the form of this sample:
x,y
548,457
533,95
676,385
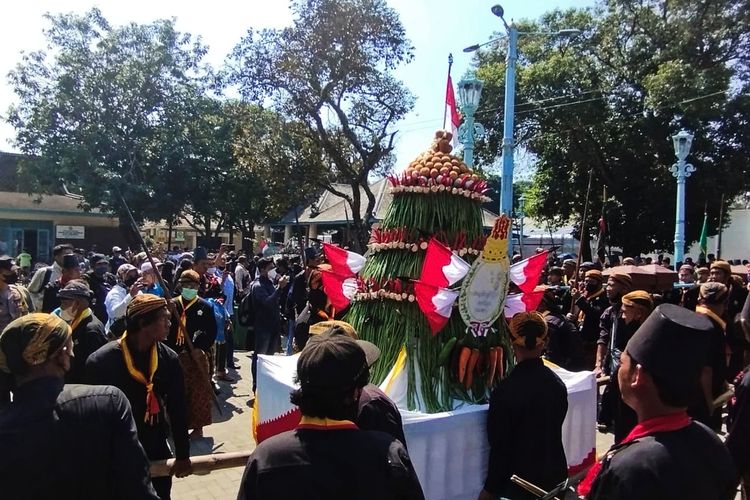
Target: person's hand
x,y
135,288
569,317
597,371
182,468
486,495
575,293
283,281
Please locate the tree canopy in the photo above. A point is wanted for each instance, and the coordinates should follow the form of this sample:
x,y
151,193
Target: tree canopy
x,y
609,100
109,109
331,72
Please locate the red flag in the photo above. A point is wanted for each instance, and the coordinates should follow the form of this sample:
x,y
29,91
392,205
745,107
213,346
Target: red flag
x,y
339,289
436,303
526,273
342,261
450,101
522,302
441,267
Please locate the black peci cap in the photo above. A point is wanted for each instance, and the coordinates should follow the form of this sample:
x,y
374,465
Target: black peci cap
x,y
672,343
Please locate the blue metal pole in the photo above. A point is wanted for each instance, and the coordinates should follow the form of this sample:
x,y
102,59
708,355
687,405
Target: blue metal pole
x,y
506,178
679,229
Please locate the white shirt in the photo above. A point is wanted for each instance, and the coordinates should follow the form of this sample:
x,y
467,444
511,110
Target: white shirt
x,y
239,275
36,286
117,303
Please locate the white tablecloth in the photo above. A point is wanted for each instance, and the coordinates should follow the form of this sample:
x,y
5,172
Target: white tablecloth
x,y
449,450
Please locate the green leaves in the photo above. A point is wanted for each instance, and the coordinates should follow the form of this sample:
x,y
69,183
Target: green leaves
x,y
331,73
610,99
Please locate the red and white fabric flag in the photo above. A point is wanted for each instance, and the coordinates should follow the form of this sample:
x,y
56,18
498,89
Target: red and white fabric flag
x,y
522,302
436,303
526,273
342,261
450,102
339,289
441,267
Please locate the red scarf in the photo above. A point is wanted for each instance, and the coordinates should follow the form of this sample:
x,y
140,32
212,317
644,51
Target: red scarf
x,y
665,423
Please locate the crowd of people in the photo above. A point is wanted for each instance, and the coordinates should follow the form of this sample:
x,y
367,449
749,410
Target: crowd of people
x,y
117,355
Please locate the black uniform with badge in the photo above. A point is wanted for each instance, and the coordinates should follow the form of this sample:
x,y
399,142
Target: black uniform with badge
x,y
200,324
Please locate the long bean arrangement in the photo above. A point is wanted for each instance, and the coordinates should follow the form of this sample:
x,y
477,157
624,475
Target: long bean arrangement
x,y
452,365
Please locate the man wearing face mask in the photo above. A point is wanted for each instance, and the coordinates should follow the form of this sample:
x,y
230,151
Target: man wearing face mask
x,y
591,304
14,299
196,318
210,286
100,281
88,331
71,270
127,288
45,275
267,315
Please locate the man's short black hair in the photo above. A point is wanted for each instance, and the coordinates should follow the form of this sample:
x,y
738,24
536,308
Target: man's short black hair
x,y
264,263
59,249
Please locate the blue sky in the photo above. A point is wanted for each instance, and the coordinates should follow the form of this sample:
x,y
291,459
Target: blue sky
x,y
435,28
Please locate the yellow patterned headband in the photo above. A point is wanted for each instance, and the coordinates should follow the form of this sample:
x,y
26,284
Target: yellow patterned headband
x,y
31,340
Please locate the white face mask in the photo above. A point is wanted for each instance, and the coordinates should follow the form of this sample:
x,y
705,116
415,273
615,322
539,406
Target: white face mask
x,y
272,275
67,315
212,270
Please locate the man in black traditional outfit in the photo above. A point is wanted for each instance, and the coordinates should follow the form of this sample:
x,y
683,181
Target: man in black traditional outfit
x,y
524,422
150,375
63,441
327,456
666,456
738,440
633,308
590,305
88,331
196,319
375,411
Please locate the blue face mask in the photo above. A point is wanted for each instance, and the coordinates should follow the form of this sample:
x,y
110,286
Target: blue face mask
x,y
189,293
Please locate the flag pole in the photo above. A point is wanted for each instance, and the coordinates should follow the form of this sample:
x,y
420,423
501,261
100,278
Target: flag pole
x,y
580,234
721,221
445,104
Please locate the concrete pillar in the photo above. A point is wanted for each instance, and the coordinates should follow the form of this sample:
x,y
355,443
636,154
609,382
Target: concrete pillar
x,y
267,231
287,233
312,231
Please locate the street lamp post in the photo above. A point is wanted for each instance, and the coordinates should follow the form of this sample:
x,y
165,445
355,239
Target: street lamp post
x,y
506,175
681,170
521,215
469,93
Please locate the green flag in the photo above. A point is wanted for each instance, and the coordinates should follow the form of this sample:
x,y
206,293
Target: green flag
x,y
704,234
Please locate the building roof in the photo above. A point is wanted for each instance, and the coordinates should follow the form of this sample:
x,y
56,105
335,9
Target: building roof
x,y
47,204
333,210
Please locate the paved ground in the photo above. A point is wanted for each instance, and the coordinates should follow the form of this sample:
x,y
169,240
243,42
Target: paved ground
x,y
230,432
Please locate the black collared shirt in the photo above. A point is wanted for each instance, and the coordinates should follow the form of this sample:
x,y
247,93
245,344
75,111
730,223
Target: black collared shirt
x,y
71,441
524,428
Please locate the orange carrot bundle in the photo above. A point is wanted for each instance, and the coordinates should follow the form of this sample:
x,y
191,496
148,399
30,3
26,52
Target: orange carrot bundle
x,y
463,362
469,379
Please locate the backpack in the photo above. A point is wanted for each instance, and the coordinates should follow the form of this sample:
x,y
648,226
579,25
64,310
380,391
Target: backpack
x,y
246,311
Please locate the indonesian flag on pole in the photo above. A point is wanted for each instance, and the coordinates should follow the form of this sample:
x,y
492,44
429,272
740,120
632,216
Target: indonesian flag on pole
x,y
441,267
342,261
436,303
526,273
339,289
522,302
450,101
